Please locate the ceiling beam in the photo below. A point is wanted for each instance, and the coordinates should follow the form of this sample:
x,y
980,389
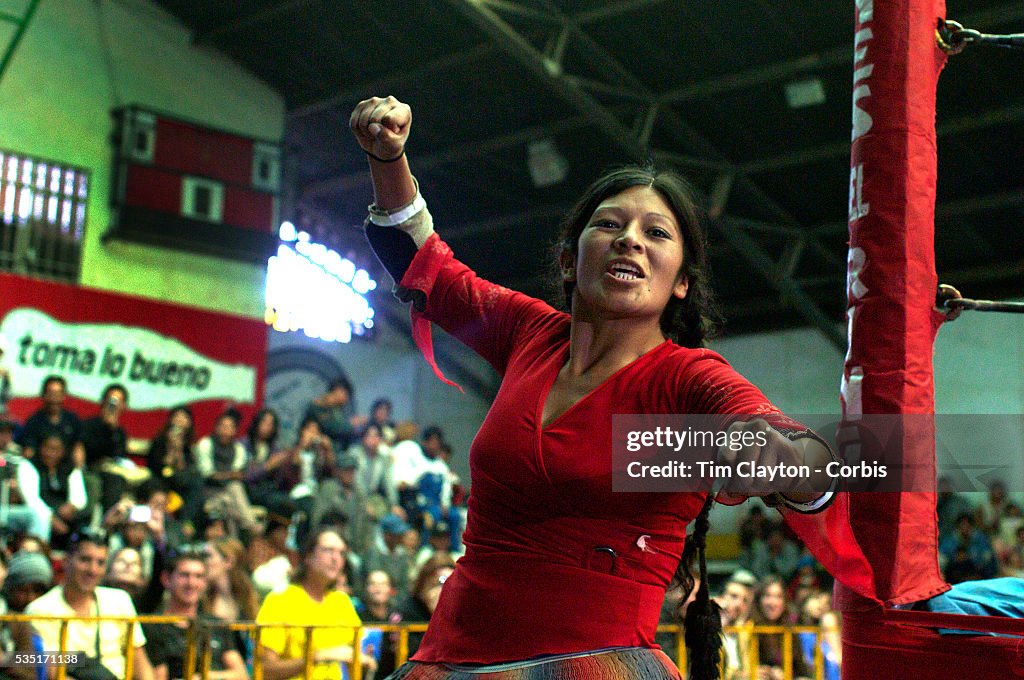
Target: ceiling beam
x,y
20,22
612,10
425,71
458,153
837,56
972,122
508,39
259,16
683,132
476,228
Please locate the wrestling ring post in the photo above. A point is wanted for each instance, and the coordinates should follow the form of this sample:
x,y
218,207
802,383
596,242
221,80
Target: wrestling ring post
x,y
901,46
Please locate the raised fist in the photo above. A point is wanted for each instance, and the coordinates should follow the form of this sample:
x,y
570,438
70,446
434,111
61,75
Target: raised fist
x,y
381,126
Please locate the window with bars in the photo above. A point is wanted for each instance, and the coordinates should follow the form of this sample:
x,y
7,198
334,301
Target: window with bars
x,y
42,216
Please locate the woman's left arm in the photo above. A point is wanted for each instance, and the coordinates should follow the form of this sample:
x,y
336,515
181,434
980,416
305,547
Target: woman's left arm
x,y
710,385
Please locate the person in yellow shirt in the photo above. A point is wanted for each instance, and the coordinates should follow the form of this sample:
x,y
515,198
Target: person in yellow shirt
x,y
311,599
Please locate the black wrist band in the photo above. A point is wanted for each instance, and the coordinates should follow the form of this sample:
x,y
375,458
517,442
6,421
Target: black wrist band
x,y
386,160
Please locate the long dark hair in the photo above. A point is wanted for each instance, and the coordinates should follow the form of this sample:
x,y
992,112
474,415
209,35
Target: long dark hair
x,y
689,321
254,426
158,445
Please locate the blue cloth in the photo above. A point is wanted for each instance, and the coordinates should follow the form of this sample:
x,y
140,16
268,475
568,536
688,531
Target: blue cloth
x,y
992,597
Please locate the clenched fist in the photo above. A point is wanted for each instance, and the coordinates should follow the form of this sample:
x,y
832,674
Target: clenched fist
x,y
381,126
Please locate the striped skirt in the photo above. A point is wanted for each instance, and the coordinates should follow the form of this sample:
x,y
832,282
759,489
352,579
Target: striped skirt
x,y
629,663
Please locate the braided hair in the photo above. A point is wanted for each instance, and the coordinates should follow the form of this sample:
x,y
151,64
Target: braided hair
x,y
702,623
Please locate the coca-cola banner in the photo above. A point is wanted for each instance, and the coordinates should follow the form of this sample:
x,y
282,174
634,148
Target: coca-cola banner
x,y
164,354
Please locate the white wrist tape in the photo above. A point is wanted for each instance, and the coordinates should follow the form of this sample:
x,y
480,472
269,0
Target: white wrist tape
x,y
393,218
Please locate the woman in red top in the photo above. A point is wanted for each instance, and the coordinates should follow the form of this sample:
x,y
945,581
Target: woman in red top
x,y
563,578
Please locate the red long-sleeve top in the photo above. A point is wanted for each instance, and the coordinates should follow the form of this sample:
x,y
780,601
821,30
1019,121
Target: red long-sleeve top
x,y
537,577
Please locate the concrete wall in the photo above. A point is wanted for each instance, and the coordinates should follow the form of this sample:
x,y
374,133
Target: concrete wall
x,y
78,60
390,366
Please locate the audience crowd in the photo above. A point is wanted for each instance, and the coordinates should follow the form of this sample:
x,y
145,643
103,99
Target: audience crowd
x,y
357,518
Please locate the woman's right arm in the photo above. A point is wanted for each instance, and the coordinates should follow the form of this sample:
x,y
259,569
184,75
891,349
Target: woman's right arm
x,y
485,316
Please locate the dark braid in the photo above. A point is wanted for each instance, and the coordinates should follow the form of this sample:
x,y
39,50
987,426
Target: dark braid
x,y
702,624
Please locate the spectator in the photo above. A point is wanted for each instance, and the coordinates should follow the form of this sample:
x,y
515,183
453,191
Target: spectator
x,y
989,514
373,461
34,544
221,460
60,486
774,555
267,488
422,599
260,443
214,526
379,607
336,415
131,525
380,415
167,531
311,600
26,511
435,481
948,506
754,527
261,437
816,610
1012,564
341,494
144,523
269,558
388,553
125,572
438,543
28,576
172,462
771,608
52,417
104,446
1009,525
968,553
230,595
297,472
805,581
82,596
408,463
735,601
184,580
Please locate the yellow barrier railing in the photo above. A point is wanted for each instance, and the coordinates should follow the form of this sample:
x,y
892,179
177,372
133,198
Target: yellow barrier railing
x,y
752,633
197,628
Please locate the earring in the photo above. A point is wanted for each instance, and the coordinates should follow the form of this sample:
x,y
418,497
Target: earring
x,y
569,274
